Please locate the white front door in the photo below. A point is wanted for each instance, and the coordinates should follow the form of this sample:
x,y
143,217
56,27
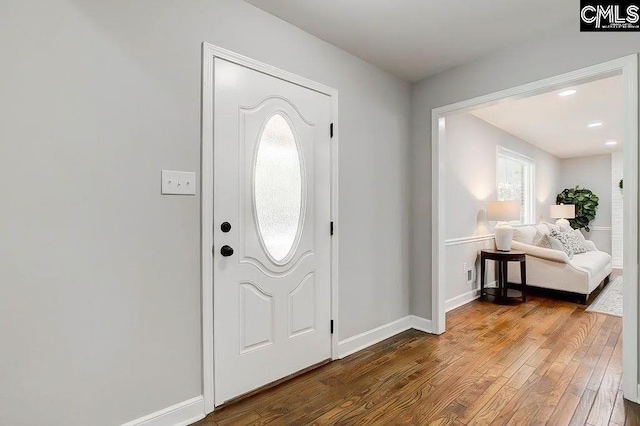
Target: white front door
x,y
272,293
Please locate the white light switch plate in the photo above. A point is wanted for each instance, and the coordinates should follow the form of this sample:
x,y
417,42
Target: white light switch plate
x,y
178,183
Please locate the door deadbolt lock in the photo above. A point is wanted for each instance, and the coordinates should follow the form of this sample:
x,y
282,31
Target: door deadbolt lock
x,y
226,251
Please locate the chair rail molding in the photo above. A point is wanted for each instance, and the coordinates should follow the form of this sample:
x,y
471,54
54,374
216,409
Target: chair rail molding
x,y
600,228
468,240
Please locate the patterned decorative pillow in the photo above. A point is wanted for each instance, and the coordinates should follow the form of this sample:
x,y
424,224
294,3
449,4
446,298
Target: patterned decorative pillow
x,y
577,241
549,242
563,237
579,235
553,227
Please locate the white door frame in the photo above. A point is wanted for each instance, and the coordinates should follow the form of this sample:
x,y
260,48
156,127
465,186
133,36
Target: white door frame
x,y
209,53
628,67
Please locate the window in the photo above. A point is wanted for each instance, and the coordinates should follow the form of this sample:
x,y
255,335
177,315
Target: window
x,y
278,188
515,177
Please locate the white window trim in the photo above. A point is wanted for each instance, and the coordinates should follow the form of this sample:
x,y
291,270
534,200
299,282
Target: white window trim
x,y
516,156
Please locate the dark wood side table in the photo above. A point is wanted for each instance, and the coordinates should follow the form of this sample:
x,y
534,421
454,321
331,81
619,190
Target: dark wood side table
x,y
502,258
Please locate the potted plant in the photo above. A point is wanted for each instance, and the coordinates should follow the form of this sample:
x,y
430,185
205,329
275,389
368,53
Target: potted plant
x,y
586,203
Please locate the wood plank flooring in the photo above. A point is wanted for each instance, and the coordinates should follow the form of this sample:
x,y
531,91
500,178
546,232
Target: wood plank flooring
x,y
543,362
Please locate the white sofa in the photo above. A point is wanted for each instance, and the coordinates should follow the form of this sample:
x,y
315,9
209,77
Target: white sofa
x,y
553,269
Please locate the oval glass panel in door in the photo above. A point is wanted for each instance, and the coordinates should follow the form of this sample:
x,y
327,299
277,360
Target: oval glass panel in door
x,y
278,188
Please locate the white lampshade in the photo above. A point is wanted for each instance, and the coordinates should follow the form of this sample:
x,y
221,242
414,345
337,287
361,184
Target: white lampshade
x,y
503,211
562,211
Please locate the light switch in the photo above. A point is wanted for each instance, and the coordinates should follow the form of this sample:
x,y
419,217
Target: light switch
x,y
178,183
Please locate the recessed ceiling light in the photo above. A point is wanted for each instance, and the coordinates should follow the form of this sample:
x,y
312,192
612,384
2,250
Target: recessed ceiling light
x,y
611,143
594,124
567,92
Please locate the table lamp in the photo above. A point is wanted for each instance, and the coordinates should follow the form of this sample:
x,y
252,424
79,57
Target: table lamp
x,y
562,212
503,212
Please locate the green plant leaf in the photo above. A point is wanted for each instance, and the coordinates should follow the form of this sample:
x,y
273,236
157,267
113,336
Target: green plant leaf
x,y
586,203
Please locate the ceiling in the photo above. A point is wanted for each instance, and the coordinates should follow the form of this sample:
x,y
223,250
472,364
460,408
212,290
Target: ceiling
x,y
415,39
559,125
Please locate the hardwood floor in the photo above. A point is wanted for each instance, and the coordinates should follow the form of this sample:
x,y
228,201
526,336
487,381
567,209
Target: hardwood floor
x,y
544,362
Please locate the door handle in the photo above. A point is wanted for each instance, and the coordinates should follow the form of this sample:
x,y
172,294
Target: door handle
x,y
226,251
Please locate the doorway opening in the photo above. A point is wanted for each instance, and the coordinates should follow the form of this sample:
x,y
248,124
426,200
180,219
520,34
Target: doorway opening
x,y
516,172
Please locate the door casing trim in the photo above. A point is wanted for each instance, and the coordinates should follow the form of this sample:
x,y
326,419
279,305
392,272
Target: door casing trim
x,y
209,53
627,67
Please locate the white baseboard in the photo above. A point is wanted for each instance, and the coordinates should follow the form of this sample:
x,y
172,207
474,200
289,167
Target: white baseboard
x,y
463,299
364,340
467,297
192,410
371,337
181,414
420,324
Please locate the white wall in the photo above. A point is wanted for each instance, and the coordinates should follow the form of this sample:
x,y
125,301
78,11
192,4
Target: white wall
x,y
470,177
459,257
100,308
470,182
594,173
617,229
554,53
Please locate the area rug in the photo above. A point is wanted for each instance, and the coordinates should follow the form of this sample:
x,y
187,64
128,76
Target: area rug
x,y
610,300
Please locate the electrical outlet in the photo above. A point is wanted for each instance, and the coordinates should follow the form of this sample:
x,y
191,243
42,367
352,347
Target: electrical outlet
x,y
468,272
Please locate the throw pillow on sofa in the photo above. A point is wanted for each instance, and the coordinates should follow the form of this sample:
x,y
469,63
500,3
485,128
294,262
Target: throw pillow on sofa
x,y
553,227
563,237
577,241
583,239
549,242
